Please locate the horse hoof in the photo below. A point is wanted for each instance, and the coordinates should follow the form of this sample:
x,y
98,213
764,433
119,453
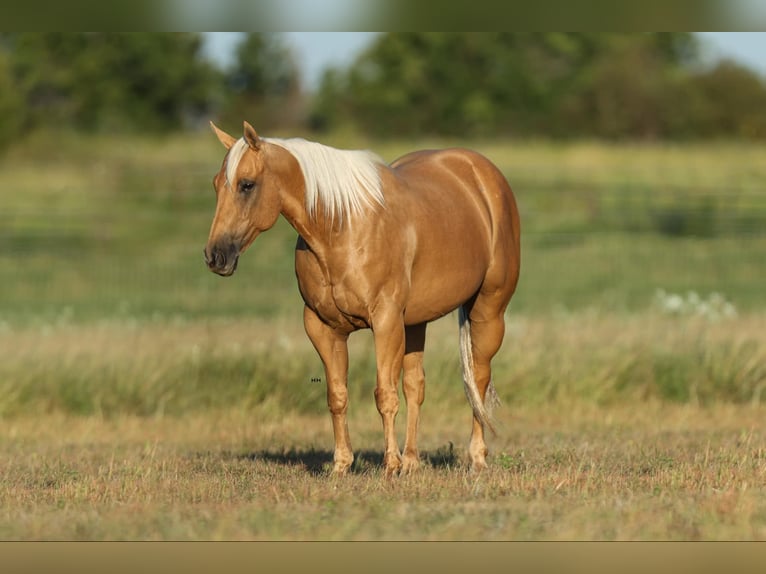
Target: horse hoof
x,y
393,471
410,464
340,469
393,464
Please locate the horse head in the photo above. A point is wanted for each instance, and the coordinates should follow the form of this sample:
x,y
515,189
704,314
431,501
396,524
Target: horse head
x,y
247,200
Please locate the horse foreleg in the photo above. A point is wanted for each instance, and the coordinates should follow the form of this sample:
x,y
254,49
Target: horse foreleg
x,y
414,391
388,332
332,347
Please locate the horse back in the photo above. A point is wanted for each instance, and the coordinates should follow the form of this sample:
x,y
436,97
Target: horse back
x,y
459,177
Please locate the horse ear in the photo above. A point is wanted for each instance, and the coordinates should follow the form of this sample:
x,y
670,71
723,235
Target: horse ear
x,y
251,137
223,137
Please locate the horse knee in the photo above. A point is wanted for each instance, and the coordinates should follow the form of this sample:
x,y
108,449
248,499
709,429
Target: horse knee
x,y
387,400
337,402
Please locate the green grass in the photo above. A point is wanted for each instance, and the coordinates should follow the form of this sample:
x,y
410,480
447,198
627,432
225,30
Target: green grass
x,y
142,397
160,367
108,228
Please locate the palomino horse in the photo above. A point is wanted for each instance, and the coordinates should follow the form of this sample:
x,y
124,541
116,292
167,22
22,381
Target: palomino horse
x,y
388,248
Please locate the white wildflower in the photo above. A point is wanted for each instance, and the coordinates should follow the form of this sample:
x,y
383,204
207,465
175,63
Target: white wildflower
x,y
713,308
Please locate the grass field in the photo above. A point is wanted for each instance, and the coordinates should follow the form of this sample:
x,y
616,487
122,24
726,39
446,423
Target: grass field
x,y
560,473
141,397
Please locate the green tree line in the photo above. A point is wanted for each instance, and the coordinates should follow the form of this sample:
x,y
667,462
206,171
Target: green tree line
x,y
549,84
137,82
474,84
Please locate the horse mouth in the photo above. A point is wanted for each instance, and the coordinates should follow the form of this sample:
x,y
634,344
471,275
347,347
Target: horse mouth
x,y
221,263
227,270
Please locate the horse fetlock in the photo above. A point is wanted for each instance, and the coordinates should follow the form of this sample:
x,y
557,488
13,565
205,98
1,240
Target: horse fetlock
x,y
342,463
478,464
478,453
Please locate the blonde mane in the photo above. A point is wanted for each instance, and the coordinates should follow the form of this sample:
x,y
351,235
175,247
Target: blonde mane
x,y
343,183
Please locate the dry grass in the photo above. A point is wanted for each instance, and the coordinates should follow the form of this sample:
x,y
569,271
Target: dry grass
x,y
567,473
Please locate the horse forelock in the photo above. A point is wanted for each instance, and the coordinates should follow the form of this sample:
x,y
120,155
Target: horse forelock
x,y
343,183
233,158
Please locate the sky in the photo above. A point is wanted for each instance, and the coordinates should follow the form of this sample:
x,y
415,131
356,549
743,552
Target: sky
x,y
749,48
314,51
317,50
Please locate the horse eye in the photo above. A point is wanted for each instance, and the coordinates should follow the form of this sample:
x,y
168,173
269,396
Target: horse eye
x,y
246,186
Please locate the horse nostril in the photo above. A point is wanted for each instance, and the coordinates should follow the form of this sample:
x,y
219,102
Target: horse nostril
x,y
215,258
219,259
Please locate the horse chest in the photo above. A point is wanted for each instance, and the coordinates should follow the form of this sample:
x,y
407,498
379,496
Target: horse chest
x,y
335,303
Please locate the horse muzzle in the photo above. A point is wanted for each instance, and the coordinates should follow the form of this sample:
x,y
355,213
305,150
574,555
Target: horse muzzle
x,y
222,261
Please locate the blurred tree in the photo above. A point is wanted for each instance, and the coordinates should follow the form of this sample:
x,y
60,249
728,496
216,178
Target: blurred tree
x,y
630,88
107,81
327,111
11,104
405,84
729,99
473,83
557,84
414,83
263,85
264,66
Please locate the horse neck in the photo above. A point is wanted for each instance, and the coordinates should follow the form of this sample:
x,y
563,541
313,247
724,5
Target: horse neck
x,y
292,192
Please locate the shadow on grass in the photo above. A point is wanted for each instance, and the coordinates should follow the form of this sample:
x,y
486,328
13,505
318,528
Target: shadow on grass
x,y
319,462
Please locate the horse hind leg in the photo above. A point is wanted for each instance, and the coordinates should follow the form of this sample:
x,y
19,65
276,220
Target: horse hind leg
x,y
482,327
414,383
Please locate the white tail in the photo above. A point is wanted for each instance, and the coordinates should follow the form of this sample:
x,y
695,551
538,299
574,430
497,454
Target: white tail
x,y
479,406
